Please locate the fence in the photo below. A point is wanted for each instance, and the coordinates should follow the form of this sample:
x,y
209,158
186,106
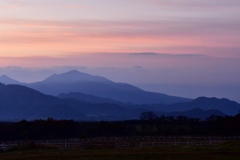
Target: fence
x,y
121,142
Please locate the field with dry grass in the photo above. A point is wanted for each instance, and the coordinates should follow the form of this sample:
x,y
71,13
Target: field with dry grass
x,y
226,151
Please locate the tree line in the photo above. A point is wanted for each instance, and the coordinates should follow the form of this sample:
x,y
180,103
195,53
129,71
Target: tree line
x,y
148,124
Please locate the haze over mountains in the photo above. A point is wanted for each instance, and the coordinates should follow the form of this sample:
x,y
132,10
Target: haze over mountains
x,y
74,81
82,96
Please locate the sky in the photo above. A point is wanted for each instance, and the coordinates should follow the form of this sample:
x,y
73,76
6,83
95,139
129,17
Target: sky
x,y
181,47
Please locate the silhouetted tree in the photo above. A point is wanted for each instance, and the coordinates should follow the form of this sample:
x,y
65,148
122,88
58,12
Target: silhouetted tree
x,y
148,116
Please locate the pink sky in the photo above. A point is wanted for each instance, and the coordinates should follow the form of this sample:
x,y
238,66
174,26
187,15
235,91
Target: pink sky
x,y
187,36
56,28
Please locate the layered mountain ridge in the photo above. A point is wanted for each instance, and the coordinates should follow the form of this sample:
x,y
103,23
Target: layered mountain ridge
x,y
26,101
75,81
20,102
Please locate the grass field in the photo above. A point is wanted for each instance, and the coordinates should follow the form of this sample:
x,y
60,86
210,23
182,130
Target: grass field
x,y
227,151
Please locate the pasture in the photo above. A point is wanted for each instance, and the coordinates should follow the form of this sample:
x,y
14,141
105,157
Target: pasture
x,y
229,150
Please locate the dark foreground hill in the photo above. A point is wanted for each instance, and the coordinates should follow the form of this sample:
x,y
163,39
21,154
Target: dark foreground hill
x,y
20,102
74,81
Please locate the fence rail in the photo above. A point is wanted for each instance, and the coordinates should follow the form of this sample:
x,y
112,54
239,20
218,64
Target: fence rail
x,y
121,142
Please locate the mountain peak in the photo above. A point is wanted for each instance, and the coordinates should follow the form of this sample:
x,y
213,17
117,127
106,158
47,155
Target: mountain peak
x,y
4,77
75,76
74,72
75,81
7,80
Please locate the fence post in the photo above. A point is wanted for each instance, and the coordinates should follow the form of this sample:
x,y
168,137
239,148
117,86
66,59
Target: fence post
x,y
65,145
3,146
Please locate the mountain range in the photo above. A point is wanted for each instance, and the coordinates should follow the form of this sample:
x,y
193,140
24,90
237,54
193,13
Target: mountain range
x,y
74,81
20,102
26,101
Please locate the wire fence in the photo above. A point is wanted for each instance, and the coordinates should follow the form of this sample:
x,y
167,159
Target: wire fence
x,y
120,142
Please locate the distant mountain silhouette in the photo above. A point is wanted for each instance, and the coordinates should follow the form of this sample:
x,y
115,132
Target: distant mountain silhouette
x,y
75,76
75,81
7,80
224,105
86,97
